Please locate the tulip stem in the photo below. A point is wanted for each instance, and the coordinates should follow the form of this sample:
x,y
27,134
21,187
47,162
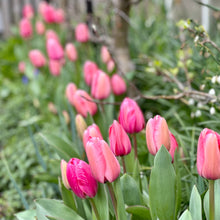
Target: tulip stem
x,y
123,164
114,202
211,200
135,145
94,209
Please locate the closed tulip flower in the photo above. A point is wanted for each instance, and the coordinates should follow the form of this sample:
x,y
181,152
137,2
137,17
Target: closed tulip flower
x,y
118,84
55,67
50,34
40,28
92,131
105,55
71,52
173,145
208,154
70,90
54,49
48,13
37,58
157,134
104,165
131,117
101,85
80,178
82,105
80,125
28,11
21,67
119,141
110,65
82,33
90,70
25,28
59,16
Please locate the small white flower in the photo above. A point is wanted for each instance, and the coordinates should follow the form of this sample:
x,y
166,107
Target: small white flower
x,y
218,79
212,110
191,102
192,115
196,39
214,79
202,86
211,92
199,105
198,113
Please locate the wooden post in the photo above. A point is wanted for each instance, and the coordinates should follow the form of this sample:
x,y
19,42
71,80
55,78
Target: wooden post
x,y
6,17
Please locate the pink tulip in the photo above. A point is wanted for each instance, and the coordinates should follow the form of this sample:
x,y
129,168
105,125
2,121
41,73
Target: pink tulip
x,y
50,34
104,165
54,49
63,166
157,134
71,52
25,28
80,178
90,70
28,11
208,154
55,67
110,65
101,85
21,67
91,131
105,55
119,141
82,104
82,33
70,90
118,84
59,16
173,145
40,28
37,58
131,117
48,13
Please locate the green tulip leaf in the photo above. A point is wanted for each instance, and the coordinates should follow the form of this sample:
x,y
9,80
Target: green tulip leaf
x,y
217,201
195,204
54,209
140,212
130,190
186,216
26,215
162,187
64,149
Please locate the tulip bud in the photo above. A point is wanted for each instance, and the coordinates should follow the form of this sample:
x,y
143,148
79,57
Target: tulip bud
x,y
41,7
118,84
59,16
66,117
101,85
37,58
21,67
110,65
157,134
104,165
28,11
92,131
82,103
130,116
63,166
105,55
71,52
90,70
50,34
173,145
48,13
55,67
80,178
40,28
70,90
52,108
80,125
119,141
208,154
25,28
54,49
82,33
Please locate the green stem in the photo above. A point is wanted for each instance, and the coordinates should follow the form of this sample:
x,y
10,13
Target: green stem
x,y
114,202
135,146
94,209
211,200
123,164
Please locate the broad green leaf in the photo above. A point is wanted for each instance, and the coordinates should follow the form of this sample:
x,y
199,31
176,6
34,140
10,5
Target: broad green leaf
x,y
162,187
101,202
64,149
55,209
217,201
141,212
47,177
130,190
186,215
195,204
26,215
